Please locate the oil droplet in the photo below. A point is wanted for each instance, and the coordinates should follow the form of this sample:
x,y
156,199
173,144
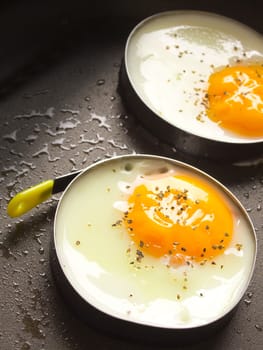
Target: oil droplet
x,y
100,82
18,154
71,111
12,137
54,133
49,113
88,150
91,141
116,145
31,138
69,123
43,150
9,169
30,165
102,121
58,142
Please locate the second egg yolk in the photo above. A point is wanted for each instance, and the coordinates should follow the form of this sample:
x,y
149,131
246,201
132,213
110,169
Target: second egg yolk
x,y
235,99
190,221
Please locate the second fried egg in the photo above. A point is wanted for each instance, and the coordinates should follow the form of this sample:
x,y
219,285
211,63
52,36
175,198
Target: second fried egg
x,y
181,63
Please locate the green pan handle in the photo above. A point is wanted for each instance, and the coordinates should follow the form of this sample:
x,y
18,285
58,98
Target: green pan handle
x,y
29,198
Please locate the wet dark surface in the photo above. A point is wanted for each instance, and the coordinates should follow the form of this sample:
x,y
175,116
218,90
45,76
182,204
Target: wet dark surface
x,y
63,114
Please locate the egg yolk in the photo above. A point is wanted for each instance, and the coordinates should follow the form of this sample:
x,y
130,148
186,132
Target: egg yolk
x,y
187,222
235,99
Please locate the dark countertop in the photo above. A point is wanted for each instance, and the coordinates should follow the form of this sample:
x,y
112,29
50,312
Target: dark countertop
x,y
60,111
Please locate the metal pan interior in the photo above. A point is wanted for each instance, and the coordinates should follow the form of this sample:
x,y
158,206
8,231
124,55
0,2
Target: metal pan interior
x,y
164,80
106,272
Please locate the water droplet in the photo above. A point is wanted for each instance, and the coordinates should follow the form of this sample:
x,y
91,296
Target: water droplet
x,y
9,169
43,150
102,121
88,150
249,295
18,154
91,141
41,250
100,82
30,165
69,123
113,98
12,137
116,145
246,195
259,207
87,98
258,327
58,142
71,111
31,138
247,301
49,113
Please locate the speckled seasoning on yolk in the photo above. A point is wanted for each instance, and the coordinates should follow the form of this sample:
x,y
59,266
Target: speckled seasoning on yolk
x,y
184,218
235,96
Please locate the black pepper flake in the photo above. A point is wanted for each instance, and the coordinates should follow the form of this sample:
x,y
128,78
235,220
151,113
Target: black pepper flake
x,y
139,255
183,249
141,244
178,296
77,242
213,263
117,223
239,246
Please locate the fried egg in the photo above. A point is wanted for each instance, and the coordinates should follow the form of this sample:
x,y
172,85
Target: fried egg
x,y
154,241
201,72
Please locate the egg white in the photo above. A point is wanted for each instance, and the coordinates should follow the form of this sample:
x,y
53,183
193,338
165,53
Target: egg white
x,y
99,258
170,57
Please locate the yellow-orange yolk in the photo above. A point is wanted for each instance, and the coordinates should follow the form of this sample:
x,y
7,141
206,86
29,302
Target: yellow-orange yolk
x,y
186,220
235,99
